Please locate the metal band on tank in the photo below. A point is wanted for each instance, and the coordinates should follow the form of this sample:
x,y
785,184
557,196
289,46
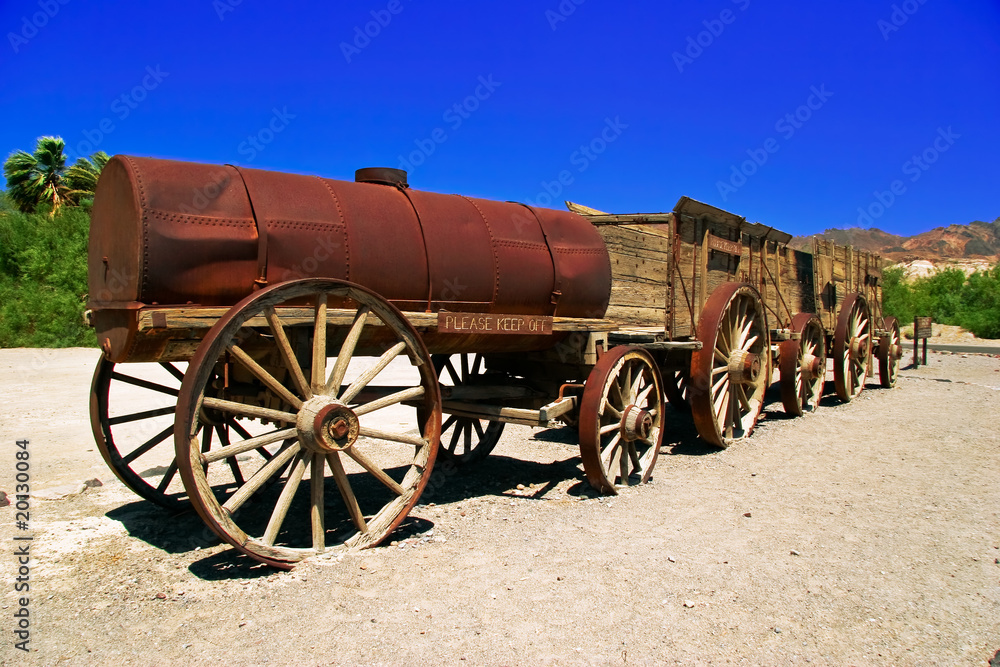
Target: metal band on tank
x,y
556,276
261,280
423,236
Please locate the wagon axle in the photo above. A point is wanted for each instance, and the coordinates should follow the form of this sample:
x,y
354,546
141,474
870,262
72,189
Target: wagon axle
x,y
326,425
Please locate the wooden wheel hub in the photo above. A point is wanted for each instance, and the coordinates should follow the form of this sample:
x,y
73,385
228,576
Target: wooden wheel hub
x,y
895,352
637,424
811,366
859,348
744,367
327,426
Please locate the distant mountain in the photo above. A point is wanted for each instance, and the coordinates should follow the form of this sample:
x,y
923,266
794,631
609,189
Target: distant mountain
x,y
975,241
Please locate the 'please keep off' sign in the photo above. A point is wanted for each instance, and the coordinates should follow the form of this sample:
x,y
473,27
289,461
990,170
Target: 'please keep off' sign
x,y
494,323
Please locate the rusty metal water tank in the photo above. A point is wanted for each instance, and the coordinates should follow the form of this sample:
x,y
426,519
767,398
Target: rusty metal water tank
x,y
166,233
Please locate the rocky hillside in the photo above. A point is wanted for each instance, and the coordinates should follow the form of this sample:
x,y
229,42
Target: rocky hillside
x,y
977,242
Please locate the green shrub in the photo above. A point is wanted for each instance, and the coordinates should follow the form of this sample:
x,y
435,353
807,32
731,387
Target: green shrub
x,y
949,297
43,279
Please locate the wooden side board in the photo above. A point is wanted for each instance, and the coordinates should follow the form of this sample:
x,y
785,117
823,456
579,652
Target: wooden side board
x,y
840,270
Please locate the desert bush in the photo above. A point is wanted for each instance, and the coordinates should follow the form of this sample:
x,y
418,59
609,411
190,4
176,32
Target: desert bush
x,y
43,278
949,297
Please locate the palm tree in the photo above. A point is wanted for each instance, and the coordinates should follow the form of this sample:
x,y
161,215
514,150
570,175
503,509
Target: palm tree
x,y
37,178
82,177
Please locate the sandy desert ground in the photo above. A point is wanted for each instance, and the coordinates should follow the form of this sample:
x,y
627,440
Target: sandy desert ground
x,y
865,534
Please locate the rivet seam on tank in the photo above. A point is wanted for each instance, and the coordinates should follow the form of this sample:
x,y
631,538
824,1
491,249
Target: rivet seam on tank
x,y
347,231
493,247
145,226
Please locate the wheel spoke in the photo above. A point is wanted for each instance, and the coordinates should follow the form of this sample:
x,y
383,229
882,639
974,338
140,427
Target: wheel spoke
x,y
610,428
261,374
448,423
206,440
608,453
259,478
287,355
480,432
148,445
375,471
316,510
253,443
285,500
167,476
744,333
347,351
455,378
633,455
136,416
617,390
235,425
741,394
623,465
610,409
391,399
392,437
248,410
145,384
721,403
170,368
370,374
346,492
718,383
455,435
319,345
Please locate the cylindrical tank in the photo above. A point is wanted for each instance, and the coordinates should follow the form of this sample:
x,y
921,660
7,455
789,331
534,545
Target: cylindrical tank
x,y
166,233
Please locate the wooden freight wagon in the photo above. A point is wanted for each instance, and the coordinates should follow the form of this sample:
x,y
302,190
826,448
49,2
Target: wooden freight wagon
x,y
722,303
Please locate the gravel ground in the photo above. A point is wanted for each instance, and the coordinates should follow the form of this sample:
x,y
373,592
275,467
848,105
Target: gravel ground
x,y
866,534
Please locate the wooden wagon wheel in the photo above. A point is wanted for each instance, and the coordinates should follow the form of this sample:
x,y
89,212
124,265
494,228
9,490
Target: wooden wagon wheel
x,y
802,364
379,470
138,445
464,439
890,351
621,419
852,346
730,372
676,386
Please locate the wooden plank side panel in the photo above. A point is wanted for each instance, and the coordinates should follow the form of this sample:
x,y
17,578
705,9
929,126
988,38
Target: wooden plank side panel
x,y
640,257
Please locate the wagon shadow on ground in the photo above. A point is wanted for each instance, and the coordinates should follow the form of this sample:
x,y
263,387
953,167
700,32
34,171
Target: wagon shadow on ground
x,y
498,476
184,532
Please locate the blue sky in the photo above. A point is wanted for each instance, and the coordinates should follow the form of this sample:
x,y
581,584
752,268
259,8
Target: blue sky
x,y
798,115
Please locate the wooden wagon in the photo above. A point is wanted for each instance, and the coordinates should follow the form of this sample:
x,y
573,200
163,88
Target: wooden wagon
x,y
744,304
310,348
